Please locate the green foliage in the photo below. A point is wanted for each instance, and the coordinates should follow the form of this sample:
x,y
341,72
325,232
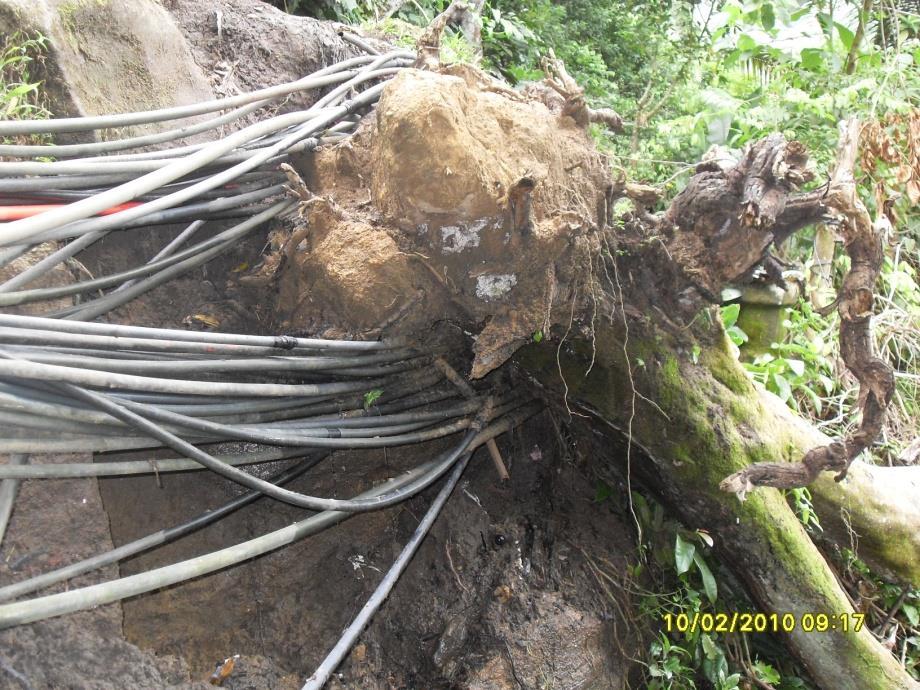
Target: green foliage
x,y
730,314
678,563
20,97
371,397
893,609
800,499
805,369
780,66
801,370
602,492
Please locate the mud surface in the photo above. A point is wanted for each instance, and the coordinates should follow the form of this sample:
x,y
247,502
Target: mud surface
x,y
513,590
499,596
53,524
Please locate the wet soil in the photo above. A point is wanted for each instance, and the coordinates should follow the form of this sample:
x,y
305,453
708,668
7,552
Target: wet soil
x,y
499,596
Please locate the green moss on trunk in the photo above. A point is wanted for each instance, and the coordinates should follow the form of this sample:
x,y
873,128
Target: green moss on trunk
x,y
712,422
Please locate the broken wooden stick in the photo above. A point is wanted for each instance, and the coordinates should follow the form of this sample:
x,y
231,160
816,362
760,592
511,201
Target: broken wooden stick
x,y
576,107
454,377
429,43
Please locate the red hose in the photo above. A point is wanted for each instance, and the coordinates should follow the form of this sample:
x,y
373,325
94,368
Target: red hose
x,y
8,213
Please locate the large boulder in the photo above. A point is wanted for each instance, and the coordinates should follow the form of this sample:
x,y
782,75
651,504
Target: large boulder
x,y
109,57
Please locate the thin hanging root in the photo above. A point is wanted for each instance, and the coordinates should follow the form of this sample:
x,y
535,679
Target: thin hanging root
x,y
854,304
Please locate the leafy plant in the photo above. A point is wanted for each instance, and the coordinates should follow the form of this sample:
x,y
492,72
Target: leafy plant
x,y
678,565
800,499
892,610
20,97
371,397
685,556
730,314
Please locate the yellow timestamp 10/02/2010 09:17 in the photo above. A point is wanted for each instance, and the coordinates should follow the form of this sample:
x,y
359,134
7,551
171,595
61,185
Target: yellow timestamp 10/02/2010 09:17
x,y
738,622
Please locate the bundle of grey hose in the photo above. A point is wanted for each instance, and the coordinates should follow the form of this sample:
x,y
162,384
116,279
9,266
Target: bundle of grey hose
x,y
94,387
67,386
87,191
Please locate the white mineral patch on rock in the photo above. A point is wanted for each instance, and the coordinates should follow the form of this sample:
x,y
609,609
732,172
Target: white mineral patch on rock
x,y
457,238
494,285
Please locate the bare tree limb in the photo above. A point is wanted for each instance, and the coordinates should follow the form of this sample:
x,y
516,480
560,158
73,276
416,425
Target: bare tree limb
x,y
576,107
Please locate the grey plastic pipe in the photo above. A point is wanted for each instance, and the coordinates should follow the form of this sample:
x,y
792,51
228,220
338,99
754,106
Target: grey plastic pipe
x,y
8,491
83,598
70,150
152,540
123,468
194,253
325,77
275,344
202,208
17,368
319,677
25,229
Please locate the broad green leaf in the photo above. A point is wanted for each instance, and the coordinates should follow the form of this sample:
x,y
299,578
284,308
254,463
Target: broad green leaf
x,y
710,649
684,552
641,507
731,682
767,17
730,314
816,401
912,613
812,58
783,389
797,366
746,43
766,673
737,336
846,36
709,582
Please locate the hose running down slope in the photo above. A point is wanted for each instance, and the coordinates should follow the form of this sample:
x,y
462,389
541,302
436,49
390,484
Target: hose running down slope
x,y
69,386
87,191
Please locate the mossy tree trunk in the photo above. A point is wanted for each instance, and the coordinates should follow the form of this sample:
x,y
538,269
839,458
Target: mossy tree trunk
x,y
657,365
706,422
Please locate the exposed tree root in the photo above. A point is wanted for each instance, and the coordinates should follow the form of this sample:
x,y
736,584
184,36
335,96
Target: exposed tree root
x,y
854,304
574,103
466,15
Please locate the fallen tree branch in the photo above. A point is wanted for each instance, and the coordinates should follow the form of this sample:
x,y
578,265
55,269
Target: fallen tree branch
x,y
575,105
429,43
725,221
